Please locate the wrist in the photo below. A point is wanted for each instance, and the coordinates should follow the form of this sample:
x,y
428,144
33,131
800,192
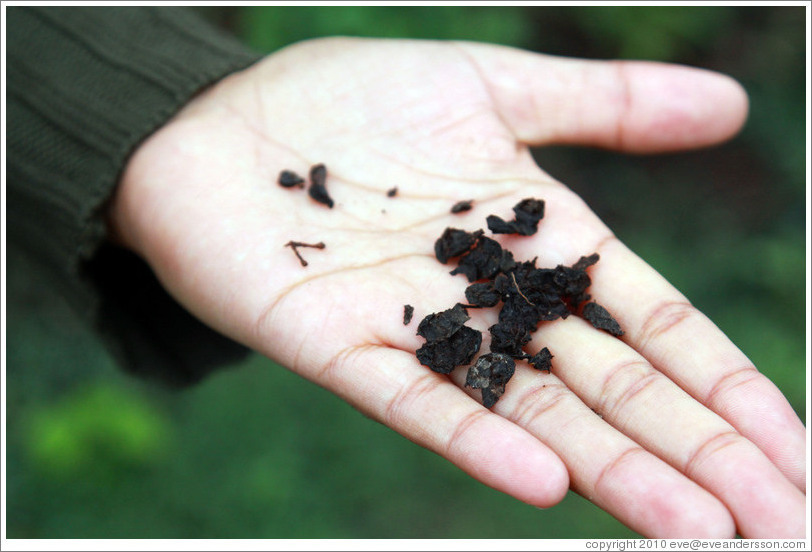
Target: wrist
x,y
128,212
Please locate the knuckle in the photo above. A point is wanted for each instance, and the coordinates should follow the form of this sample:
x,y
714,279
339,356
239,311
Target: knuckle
x,y
729,381
623,384
710,448
610,469
461,429
331,373
396,409
539,402
664,318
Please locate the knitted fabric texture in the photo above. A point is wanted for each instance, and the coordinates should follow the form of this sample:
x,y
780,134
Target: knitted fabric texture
x,y
85,86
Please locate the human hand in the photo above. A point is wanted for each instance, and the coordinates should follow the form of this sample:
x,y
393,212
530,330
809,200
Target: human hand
x,y
691,440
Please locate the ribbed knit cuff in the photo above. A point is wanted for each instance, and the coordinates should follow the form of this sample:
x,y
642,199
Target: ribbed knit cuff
x,y
85,86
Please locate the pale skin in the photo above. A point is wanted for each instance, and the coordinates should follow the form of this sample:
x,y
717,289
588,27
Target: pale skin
x,y
670,428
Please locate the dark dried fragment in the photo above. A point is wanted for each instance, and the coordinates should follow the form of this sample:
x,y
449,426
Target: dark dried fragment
x,y
507,262
444,355
498,226
295,244
575,290
491,394
318,188
533,292
516,311
529,295
502,283
528,213
462,206
408,311
509,337
519,290
449,343
489,369
517,304
585,262
601,318
442,325
542,360
289,179
392,192
482,294
552,310
453,243
571,283
485,260
491,372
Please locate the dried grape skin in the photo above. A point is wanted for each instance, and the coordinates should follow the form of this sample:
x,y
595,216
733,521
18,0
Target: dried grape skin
x,y
484,260
502,368
479,374
575,292
499,226
289,179
528,213
444,355
449,343
482,294
601,319
529,295
453,243
509,337
439,326
408,311
585,262
490,373
572,283
462,206
542,360
490,395
318,189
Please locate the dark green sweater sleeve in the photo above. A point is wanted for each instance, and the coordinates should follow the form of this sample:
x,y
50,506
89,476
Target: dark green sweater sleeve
x,y
85,86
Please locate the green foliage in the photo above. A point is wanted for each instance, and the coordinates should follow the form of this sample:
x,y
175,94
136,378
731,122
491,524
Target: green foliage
x,y
772,70
257,452
662,33
269,28
93,430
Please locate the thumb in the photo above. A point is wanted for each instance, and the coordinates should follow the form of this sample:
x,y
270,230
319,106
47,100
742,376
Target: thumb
x,y
631,106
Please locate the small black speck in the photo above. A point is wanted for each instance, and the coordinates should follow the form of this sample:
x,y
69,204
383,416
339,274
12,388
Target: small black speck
x,y
318,190
408,311
289,179
462,206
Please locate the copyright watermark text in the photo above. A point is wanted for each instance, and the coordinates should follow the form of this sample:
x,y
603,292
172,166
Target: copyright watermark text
x,y
622,545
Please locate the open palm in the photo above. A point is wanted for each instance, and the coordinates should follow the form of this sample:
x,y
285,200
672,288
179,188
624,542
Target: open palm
x,y
669,428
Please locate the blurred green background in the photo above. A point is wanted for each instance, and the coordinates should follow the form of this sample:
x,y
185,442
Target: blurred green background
x,y
257,452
